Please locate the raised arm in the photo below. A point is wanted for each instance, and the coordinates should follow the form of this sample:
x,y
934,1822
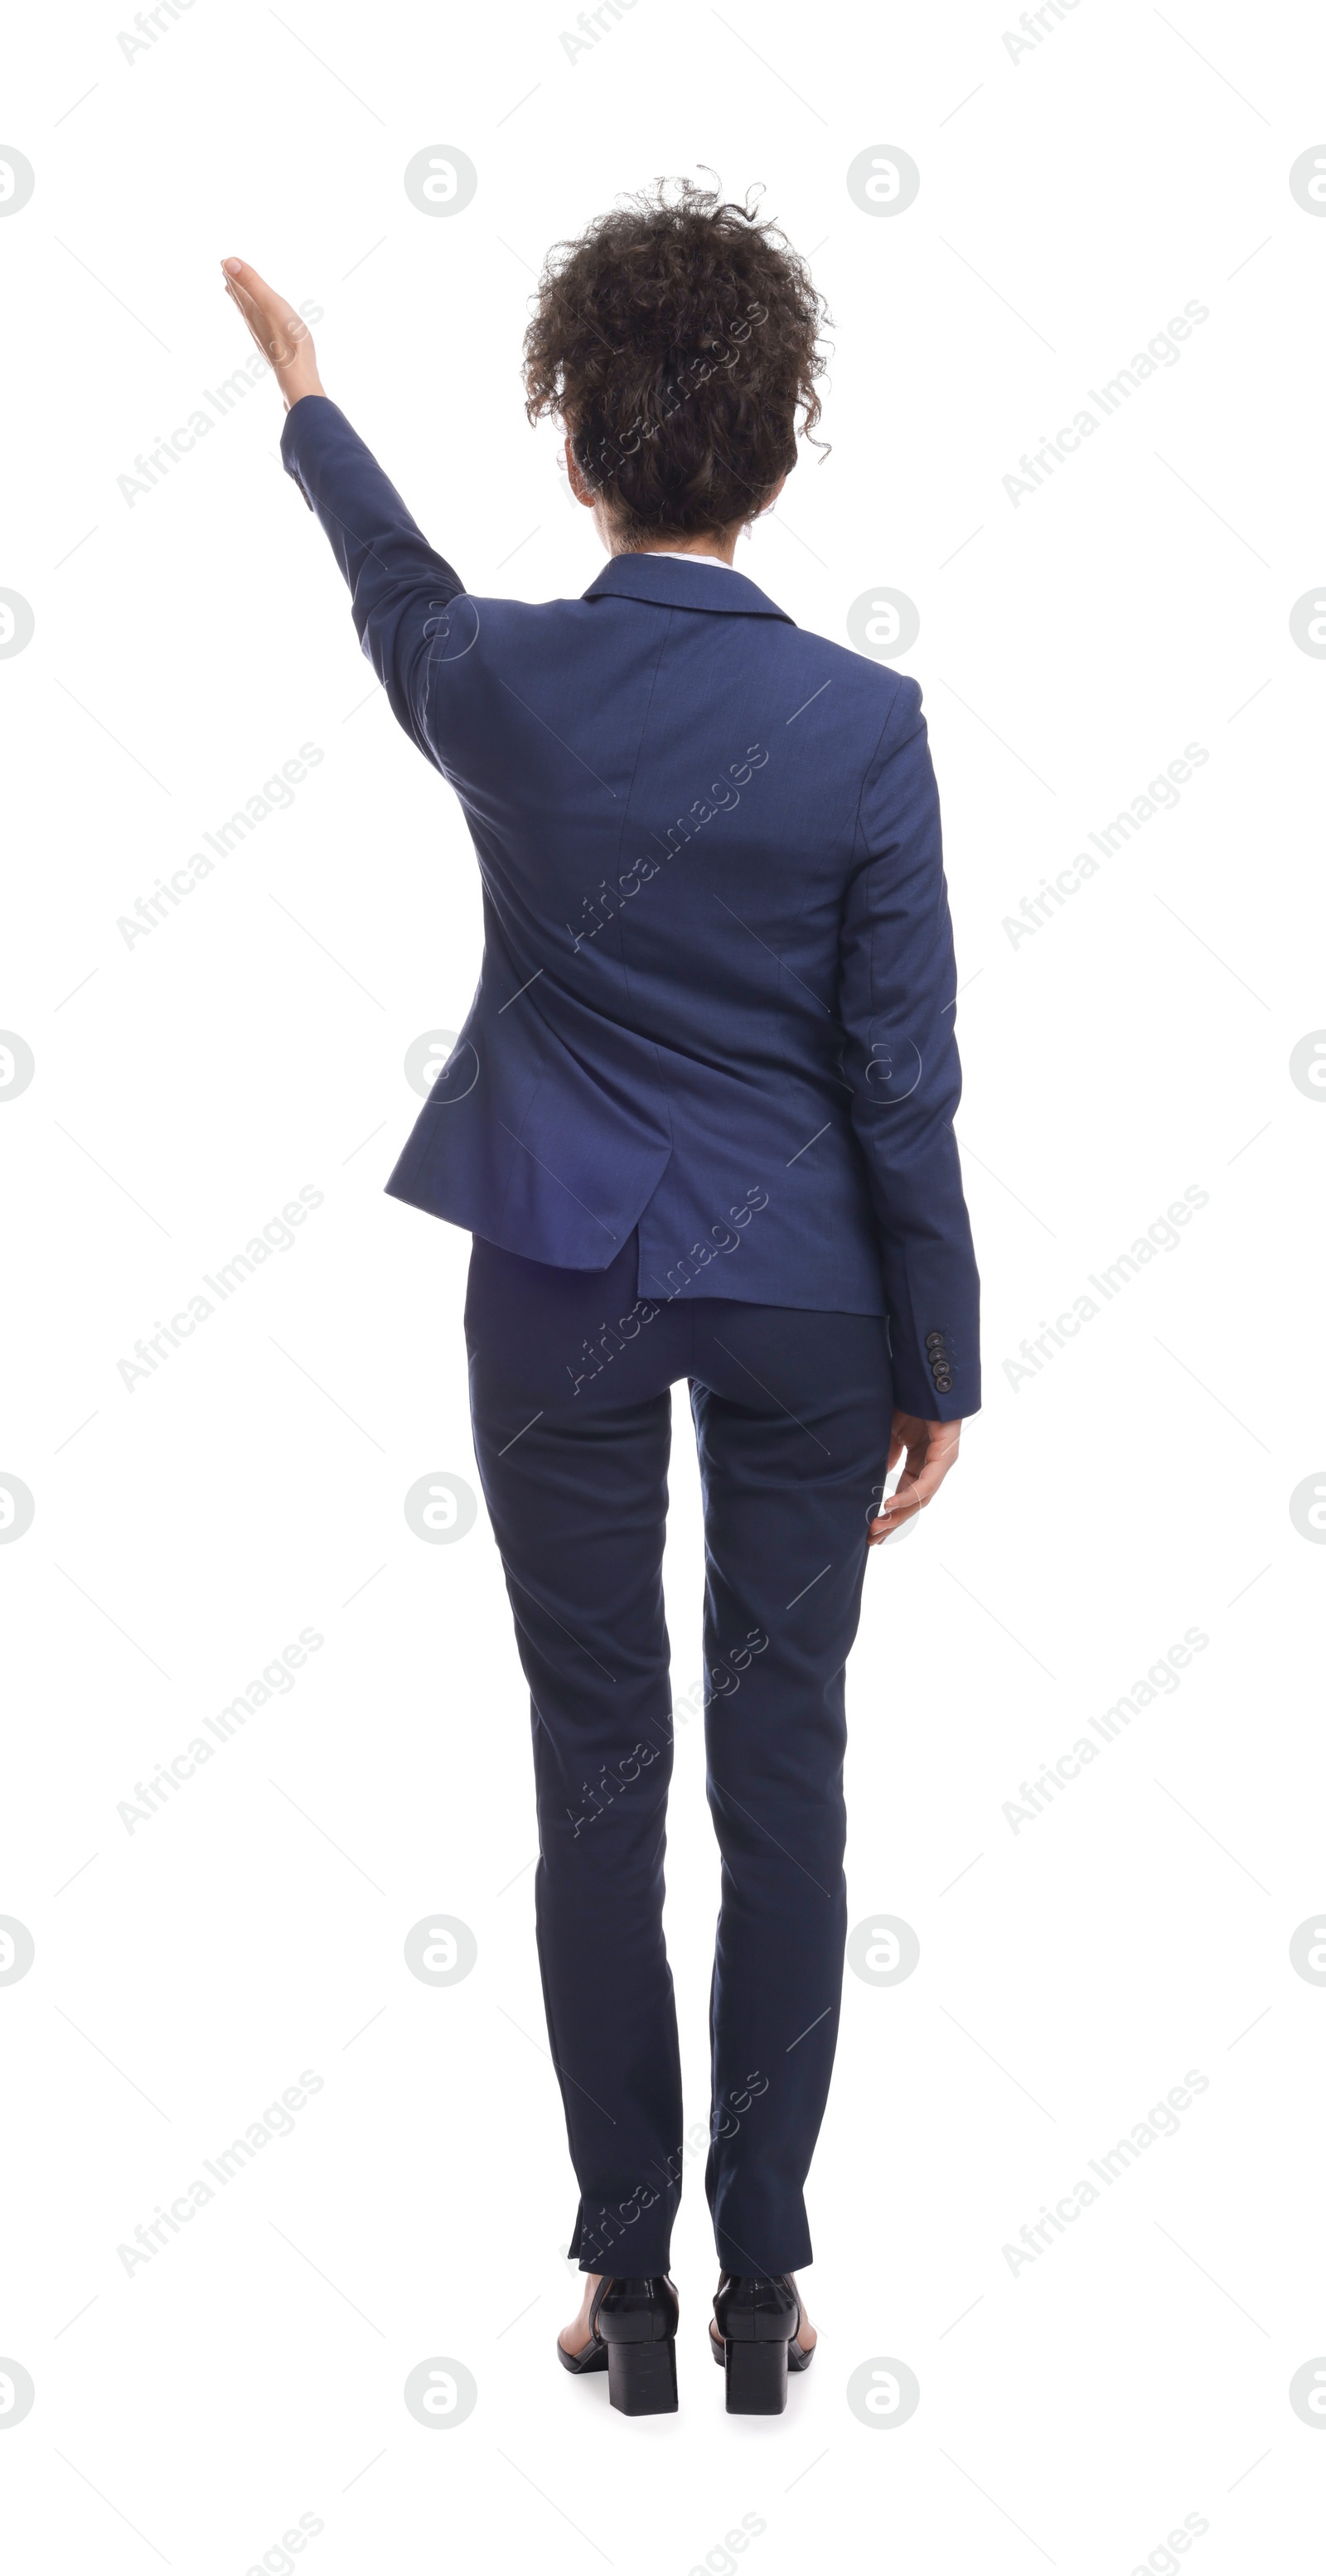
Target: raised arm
x,y
400,590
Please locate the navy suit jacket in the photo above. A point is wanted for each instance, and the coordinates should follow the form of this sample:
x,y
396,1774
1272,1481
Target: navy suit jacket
x,y
717,992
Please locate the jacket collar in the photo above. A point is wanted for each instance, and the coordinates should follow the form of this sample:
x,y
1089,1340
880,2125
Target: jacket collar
x,y
683,585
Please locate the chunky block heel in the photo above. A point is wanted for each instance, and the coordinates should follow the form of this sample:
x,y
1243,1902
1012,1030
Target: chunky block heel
x,y
759,2323
755,2376
642,2377
633,2336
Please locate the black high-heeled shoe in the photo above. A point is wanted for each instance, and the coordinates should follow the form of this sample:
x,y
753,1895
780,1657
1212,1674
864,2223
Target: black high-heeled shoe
x,y
633,2336
759,2325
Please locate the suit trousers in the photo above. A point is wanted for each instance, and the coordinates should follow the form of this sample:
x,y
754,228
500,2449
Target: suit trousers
x,y
570,1382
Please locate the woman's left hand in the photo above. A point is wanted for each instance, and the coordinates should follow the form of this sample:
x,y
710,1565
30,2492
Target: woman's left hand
x,y
282,338
931,1450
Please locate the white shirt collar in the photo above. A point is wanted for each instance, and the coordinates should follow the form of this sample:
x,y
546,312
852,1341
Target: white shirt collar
x,y
680,554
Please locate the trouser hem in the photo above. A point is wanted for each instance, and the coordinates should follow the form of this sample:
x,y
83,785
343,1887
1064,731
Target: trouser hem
x,y
627,2257
747,2260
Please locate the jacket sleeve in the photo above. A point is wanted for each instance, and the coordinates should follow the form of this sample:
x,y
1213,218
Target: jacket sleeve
x,y
897,999
410,608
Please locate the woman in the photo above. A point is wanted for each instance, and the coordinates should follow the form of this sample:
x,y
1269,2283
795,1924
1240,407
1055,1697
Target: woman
x,y
699,1124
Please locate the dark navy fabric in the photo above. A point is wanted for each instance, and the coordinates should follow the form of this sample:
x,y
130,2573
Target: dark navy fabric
x,y
717,998
570,1373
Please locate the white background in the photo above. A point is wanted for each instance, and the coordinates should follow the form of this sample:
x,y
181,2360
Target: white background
x,y
1071,1972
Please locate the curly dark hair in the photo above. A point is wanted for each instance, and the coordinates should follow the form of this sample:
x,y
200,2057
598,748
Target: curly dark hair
x,y
676,341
